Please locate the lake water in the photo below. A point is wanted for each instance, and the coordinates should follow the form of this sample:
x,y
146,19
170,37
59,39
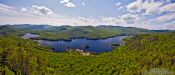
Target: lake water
x,y
29,35
97,46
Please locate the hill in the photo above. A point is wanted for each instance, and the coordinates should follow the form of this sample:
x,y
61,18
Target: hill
x,y
69,32
139,54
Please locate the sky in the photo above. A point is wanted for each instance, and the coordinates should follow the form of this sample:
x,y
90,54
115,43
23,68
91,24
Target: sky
x,y
147,14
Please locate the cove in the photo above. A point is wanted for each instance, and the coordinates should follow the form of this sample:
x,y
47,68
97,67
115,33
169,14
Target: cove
x,y
30,35
97,46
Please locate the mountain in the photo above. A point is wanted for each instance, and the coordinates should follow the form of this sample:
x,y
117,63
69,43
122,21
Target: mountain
x,y
69,32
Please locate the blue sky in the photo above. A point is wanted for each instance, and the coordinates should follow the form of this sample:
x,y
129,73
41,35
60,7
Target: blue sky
x,y
148,14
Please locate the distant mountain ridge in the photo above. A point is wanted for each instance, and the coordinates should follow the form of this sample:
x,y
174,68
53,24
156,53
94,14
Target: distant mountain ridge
x,y
68,32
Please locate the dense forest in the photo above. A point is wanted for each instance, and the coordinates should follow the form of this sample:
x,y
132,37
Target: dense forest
x,y
69,32
138,55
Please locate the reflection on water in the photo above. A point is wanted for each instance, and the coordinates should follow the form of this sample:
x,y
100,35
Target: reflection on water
x,y
29,35
97,46
101,45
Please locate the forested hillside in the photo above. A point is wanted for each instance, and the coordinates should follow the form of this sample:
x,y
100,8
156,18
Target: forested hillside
x,y
69,32
137,55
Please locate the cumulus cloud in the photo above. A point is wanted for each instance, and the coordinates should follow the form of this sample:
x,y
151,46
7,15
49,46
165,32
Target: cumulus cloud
x,y
38,10
135,6
42,15
150,6
68,3
64,1
119,5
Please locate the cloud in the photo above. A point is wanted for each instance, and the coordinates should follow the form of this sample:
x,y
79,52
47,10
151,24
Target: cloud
x,y
170,25
168,8
112,21
149,6
164,18
135,6
83,19
23,9
38,10
64,1
118,4
83,3
44,15
68,3
4,8
129,18
121,7
87,21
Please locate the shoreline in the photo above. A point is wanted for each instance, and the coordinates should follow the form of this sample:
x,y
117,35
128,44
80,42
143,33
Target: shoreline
x,y
72,38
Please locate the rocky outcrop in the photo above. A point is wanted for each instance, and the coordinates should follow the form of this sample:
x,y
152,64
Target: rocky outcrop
x,y
82,52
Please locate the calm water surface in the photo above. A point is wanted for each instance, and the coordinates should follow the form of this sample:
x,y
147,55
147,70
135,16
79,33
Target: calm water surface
x,y
97,46
29,35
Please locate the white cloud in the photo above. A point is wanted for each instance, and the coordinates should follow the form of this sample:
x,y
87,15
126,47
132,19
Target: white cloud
x,y
64,1
87,21
68,3
134,6
121,7
168,8
24,9
129,18
149,6
83,3
5,8
164,18
118,4
112,21
8,10
42,15
83,19
170,25
38,10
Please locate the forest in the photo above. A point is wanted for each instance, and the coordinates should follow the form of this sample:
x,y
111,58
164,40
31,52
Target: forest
x,y
138,55
68,32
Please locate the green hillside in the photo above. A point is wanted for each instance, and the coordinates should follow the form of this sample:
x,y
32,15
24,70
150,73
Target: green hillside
x,y
139,55
69,32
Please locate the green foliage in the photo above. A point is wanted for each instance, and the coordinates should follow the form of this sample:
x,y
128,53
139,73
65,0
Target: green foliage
x,y
69,32
137,55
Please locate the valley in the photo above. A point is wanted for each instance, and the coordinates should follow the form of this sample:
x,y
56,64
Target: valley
x,y
138,54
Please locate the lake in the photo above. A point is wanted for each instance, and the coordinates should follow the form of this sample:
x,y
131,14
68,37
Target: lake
x,y
97,46
29,35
